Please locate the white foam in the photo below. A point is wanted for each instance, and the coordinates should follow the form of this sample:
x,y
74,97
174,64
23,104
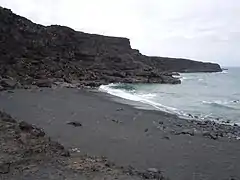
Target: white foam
x,y
223,72
220,102
118,92
144,98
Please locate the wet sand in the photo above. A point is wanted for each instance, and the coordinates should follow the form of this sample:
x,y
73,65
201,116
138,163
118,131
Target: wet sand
x,y
129,136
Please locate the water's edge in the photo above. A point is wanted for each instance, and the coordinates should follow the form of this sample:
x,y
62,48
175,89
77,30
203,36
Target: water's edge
x,y
147,101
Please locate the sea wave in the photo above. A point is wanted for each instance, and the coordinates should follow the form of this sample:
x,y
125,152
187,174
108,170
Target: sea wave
x,y
222,104
148,99
156,97
114,90
190,78
223,72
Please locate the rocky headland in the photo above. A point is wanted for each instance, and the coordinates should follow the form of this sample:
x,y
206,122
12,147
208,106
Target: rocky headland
x,y
36,55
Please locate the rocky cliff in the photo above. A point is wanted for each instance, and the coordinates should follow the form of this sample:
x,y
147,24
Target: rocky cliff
x,y
30,53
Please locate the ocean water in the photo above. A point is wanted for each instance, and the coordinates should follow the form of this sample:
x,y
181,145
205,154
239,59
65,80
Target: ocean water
x,y
201,96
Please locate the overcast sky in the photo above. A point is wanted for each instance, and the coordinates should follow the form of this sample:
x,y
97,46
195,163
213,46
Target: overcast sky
x,y
206,30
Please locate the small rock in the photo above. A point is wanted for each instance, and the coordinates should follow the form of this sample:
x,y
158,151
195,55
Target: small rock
x,y
116,121
196,117
109,164
30,87
1,88
76,150
44,83
7,118
8,83
4,168
10,92
166,137
25,126
160,122
152,173
220,134
153,170
179,125
186,132
65,153
38,132
57,145
119,109
146,130
210,135
75,124
236,125
23,138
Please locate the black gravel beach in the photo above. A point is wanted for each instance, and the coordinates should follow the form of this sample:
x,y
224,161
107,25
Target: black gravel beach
x,y
94,123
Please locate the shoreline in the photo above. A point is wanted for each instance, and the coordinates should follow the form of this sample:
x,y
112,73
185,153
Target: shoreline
x,y
129,136
145,105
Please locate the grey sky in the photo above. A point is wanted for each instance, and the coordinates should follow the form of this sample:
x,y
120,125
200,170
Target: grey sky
x,y
206,30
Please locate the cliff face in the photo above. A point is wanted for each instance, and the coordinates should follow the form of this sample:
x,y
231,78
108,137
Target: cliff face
x,y
182,65
29,52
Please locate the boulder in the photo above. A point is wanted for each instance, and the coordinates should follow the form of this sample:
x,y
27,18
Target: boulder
x,y
210,135
170,80
75,124
6,117
186,132
24,126
8,83
4,168
152,173
65,153
153,170
44,83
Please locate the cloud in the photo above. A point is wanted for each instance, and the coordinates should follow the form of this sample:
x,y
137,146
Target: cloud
x,y
201,29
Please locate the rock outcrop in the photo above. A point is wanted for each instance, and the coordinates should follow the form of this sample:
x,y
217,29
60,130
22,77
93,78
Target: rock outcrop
x,y
34,54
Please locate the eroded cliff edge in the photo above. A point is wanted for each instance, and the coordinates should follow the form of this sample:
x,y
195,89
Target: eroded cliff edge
x,y
34,54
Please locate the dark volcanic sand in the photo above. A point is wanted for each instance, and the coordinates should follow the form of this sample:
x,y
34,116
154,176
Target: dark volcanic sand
x,y
128,136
